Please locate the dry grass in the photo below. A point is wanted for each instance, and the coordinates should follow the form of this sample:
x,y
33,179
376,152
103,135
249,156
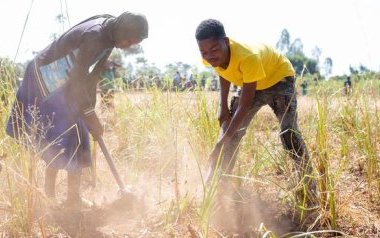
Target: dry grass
x,y
160,142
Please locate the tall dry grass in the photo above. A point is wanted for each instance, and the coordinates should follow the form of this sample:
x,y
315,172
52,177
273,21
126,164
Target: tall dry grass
x,y
160,141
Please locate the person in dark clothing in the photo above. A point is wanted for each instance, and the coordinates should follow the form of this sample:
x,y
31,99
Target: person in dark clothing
x,y
177,81
203,82
266,78
304,87
348,86
214,84
54,108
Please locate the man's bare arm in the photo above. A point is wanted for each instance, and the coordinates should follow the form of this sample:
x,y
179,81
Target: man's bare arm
x,y
246,98
224,91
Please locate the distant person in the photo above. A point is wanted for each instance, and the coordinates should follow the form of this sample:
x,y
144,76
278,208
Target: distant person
x,y
348,86
156,81
177,81
315,79
54,106
191,77
266,78
203,82
304,88
190,83
214,84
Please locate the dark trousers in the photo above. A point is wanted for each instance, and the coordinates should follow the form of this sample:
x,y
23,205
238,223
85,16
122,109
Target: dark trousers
x,y
282,99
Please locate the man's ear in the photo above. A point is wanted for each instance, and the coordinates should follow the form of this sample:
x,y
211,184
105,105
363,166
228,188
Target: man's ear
x,y
226,40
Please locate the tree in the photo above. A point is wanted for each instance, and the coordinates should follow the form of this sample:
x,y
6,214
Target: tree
x,y
146,69
116,56
170,69
359,70
60,19
296,48
353,70
182,67
316,53
294,51
284,41
149,70
127,75
133,50
312,66
363,69
303,65
328,64
141,60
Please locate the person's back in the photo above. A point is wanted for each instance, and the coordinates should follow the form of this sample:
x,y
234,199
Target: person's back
x,y
203,81
348,86
72,39
177,80
59,94
348,83
304,87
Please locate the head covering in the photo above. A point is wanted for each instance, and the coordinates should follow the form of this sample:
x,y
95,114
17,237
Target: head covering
x,y
129,25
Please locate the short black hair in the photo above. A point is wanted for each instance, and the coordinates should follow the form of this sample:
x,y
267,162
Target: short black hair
x,y
210,28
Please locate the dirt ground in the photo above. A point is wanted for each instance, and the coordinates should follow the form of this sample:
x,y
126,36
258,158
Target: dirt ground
x,y
166,204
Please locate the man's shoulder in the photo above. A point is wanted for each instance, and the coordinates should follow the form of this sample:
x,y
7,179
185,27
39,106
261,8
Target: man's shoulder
x,y
91,27
249,51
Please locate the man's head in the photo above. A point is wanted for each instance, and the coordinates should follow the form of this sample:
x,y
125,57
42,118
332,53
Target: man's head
x,y
213,43
129,29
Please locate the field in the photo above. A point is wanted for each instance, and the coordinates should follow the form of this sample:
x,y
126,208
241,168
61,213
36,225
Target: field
x,y
160,142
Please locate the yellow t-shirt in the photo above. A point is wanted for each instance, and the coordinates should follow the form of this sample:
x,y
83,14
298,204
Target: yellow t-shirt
x,y
255,63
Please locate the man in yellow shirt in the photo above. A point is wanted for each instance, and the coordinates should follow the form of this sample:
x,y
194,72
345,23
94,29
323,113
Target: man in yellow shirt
x,y
266,78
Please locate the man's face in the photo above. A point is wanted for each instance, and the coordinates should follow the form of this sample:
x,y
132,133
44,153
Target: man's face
x,y
215,51
125,44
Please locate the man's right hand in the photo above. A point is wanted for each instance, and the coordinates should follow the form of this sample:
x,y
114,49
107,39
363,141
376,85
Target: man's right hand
x,y
94,126
224,116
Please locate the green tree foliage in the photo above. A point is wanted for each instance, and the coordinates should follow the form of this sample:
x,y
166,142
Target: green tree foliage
x,y
181,67
284,42
116,56
119,56
294,51
362,70
303,65
10,73
316,53
170,69
144,68
133,50
296,48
